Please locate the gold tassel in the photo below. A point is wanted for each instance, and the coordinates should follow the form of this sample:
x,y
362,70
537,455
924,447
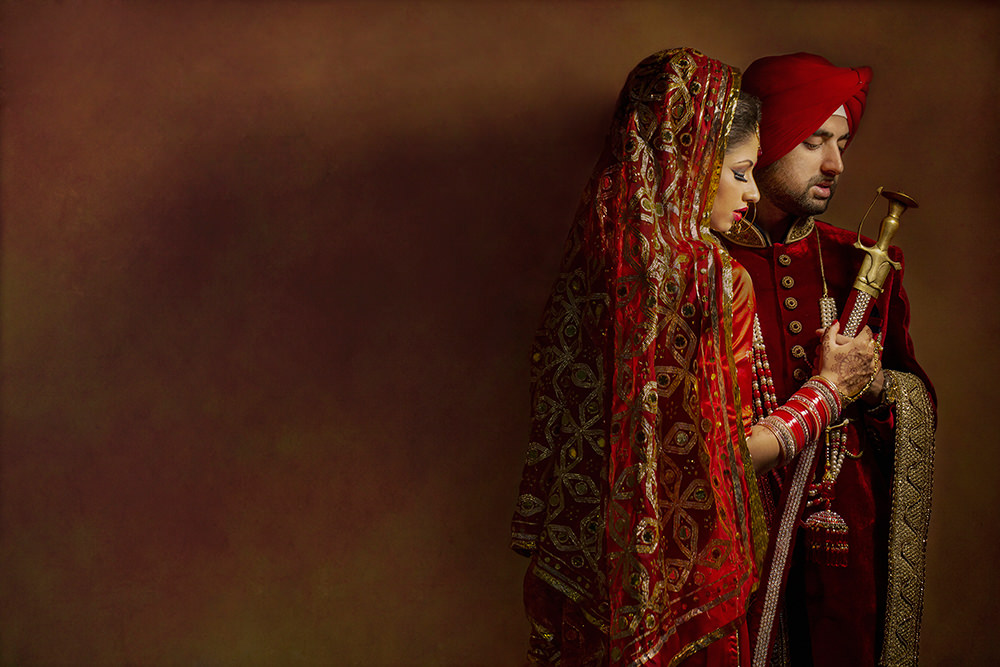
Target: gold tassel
x,y
826,538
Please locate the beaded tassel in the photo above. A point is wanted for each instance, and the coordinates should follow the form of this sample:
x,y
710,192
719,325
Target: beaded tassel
x,y
826,531
827,306
764,400
826,539
827,310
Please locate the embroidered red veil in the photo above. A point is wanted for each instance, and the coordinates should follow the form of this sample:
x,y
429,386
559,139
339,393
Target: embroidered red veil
x,y
644,533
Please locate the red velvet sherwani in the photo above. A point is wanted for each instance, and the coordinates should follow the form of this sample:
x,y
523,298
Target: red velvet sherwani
x,y
828,615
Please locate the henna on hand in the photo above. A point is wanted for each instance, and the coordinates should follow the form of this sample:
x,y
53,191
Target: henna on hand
x,y
854,367
849,362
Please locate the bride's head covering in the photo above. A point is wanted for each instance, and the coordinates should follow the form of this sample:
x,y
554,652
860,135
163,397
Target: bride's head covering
x,y
635,503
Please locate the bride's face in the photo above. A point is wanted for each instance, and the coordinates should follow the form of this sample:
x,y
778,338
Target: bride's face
x,y
737,188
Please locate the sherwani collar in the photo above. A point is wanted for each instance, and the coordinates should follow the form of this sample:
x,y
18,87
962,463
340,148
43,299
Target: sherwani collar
x,y
750,236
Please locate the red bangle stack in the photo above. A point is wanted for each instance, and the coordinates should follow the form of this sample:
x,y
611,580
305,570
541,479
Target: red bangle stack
x,y
804,417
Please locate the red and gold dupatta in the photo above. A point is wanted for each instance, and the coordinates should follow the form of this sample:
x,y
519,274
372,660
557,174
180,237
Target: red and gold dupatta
x,y
635,505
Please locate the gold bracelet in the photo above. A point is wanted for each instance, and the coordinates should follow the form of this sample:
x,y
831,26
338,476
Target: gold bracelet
x,y
888,395
878,367
856,396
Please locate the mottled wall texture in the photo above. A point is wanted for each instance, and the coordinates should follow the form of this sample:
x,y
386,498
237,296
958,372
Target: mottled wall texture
x,y
269,276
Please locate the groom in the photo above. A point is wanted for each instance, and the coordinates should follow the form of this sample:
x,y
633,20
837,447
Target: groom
x,y
817,604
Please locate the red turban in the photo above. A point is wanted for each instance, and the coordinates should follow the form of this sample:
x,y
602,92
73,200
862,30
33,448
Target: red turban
x,y
799,91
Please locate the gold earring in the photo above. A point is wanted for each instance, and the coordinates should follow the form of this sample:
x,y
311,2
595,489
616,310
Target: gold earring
x,y
744,224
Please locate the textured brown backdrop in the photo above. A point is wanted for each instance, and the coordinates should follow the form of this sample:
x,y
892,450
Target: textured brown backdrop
x,y
269,276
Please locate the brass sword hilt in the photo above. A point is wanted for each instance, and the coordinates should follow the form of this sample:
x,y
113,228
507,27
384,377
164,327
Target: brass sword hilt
x,y
876,265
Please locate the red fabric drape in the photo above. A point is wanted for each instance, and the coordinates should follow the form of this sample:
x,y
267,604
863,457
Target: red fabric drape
x,y
644,535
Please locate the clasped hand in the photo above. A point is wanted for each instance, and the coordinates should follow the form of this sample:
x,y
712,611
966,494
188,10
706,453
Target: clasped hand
x,y
850,363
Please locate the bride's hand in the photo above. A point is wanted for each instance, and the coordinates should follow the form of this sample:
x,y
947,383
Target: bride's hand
x,y
850,363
